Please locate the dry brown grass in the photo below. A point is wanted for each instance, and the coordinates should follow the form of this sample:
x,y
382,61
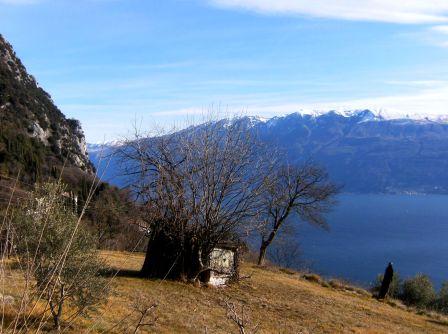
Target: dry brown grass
x,y
281,302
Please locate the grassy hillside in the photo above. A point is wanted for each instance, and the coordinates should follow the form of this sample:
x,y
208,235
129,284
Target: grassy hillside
x,y
279,301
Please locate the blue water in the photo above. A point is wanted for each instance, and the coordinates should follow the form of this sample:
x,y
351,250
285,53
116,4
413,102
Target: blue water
x,y
368,231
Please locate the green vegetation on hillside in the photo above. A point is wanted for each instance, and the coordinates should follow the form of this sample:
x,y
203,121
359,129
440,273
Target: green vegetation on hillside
x,y
34,134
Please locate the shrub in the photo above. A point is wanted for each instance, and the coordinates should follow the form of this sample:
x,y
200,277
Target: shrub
x,y
442,299
312,278
336,284
418,291
58,252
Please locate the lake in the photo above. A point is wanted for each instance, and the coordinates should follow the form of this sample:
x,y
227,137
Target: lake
x,y
368,231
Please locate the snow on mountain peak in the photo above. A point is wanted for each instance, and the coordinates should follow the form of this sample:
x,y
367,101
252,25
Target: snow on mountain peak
x,y
378,114
100,146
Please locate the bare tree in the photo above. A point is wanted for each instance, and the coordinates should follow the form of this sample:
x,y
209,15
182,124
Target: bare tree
x,y
144,308
240,318
301,192
197,188
285,251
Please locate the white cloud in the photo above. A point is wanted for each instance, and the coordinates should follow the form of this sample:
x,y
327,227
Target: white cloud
x,y
443,29
425,101
19,2
393,11
435,35
429,103
438,35
418,83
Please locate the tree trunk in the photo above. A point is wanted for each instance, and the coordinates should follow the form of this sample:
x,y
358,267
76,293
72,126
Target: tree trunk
x,y
57,324
264,246
169,258
162,258
262,254
56,315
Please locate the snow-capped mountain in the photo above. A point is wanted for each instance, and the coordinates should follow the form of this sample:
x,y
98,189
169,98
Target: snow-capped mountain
x,y
367,151
101,146
363,114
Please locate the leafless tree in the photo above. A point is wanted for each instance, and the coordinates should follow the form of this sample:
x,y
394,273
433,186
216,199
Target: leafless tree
x,y
286,251
144,308
304,193
197,188
240,318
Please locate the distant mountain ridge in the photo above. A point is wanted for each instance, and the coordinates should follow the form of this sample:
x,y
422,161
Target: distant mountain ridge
x,y
365,152
362,150
381,114
35,136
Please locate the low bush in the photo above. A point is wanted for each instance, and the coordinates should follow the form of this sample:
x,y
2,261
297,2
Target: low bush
x,y
441,303
312,278
336,284
418,291
57,251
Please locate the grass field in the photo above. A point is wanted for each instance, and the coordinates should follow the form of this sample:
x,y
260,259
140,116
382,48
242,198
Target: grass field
x,y
278,301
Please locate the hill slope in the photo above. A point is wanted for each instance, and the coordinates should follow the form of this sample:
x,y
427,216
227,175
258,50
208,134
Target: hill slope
x,y
280,301
35,137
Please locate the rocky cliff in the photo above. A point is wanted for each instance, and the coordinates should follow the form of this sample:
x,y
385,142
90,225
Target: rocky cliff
x,y
35,136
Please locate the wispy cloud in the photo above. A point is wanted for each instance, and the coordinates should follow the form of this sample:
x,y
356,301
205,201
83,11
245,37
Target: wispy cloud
x,y
443,29
425,102
418,83
393,11
19,2
428,99
436,35
428,102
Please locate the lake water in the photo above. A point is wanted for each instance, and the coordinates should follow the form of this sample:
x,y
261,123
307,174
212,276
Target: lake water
x,y
368,231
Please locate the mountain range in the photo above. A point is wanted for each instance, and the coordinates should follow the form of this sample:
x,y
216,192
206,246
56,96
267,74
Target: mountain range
x,y
367,151
363,150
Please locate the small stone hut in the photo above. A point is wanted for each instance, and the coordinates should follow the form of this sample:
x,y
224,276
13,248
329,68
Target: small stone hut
x,y
224,264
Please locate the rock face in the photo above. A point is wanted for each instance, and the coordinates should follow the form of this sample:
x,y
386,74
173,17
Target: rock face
x,y
34,134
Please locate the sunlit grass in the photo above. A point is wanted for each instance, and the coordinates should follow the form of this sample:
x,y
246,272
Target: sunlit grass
x,y
280,301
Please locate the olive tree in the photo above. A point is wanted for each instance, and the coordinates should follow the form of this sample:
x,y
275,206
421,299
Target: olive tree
x,y
57,252
418,291
442,298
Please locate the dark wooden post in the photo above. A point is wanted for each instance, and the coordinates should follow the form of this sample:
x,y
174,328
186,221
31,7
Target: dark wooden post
x,y
388,276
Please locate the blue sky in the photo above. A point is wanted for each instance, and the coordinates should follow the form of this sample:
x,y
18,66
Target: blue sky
x,y
111,62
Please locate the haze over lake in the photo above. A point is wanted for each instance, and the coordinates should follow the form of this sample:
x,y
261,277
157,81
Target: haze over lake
x,y
368,231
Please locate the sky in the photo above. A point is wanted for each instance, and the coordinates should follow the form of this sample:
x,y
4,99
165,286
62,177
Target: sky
x,y
114,63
